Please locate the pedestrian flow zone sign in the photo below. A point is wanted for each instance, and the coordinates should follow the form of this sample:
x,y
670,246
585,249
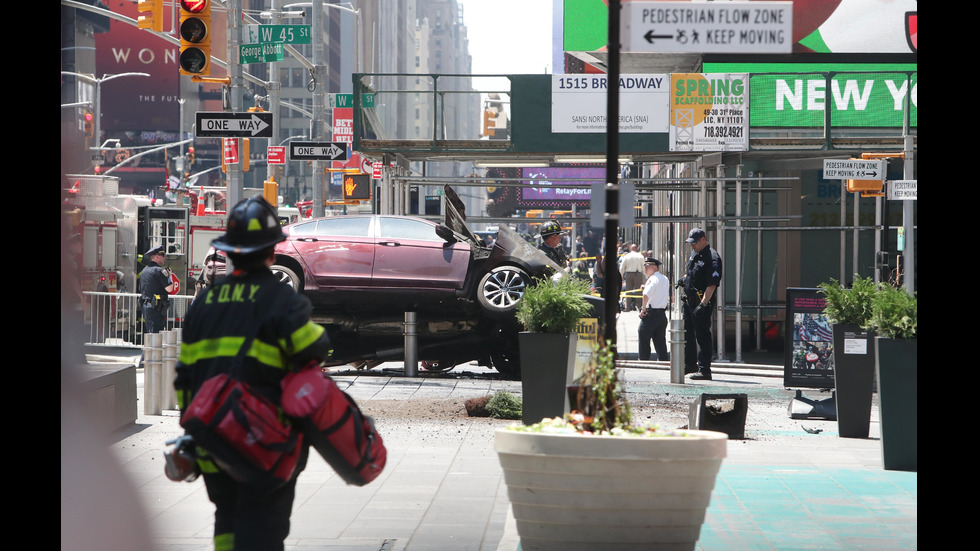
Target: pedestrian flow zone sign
x,y
222,124
318,151
857,169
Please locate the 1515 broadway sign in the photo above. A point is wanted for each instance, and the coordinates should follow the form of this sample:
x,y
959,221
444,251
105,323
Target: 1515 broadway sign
x,y
578,103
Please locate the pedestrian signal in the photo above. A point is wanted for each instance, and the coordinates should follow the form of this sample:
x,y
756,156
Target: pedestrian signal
x,y
357,187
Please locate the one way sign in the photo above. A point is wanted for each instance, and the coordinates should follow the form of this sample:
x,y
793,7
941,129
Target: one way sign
x,y
318,151
233,125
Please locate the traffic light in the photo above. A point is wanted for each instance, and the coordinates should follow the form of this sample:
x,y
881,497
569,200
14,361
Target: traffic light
x,y
88,121
489,121
357,187
154,18
866,186
270,191
195,37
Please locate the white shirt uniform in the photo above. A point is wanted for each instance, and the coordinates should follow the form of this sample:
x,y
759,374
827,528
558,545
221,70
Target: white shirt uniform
x,y
657,291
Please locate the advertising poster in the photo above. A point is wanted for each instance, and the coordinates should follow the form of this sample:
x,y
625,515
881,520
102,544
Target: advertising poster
x,y
809,360
545,188
709,112
588,331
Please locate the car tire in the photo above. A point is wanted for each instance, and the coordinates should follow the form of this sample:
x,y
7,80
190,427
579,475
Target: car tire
x,y
501,290
507,364
287,276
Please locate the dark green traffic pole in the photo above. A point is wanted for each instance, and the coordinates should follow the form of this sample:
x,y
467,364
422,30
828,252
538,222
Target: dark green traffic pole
x,y
612,282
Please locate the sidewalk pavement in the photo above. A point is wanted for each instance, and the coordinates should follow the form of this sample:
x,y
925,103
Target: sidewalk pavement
x,y
787,485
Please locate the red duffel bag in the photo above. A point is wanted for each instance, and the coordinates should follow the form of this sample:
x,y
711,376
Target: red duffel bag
x,y
243,432
339,431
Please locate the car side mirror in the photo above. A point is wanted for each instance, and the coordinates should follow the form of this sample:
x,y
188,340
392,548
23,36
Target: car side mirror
x,y
445,233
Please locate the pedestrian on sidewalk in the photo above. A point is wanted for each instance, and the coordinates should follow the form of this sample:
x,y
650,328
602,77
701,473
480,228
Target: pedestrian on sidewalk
x,y
631,268
653,314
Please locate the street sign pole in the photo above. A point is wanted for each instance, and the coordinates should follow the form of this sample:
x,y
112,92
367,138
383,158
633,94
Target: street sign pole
x,y
235,181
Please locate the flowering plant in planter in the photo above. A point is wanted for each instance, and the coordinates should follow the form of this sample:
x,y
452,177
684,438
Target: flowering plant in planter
x,y
594,480
602,408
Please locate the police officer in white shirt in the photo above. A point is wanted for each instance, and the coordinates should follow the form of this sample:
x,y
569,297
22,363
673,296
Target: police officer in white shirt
x,y
653,314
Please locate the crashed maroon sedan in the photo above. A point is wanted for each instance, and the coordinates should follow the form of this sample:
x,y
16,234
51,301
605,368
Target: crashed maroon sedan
x,y
362,273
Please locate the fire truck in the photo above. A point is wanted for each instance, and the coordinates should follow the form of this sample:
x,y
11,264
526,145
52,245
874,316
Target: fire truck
x,y
116,230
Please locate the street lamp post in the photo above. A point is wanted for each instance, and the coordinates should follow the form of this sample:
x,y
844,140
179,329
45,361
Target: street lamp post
x,y
97,131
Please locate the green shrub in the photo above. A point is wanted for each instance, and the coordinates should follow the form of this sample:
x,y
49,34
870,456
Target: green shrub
x,y
894,313
553,306
504,405
849,306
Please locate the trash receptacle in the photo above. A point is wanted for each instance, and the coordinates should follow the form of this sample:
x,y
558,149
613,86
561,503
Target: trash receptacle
x,y
854,373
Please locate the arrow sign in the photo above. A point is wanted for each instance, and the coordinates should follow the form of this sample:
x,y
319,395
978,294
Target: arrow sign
x,y
318,151
233,125
650,36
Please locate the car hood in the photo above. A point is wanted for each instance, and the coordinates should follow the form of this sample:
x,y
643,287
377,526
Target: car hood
x,y
508,247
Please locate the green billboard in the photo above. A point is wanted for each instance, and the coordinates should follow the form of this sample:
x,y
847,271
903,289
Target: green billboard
x,y
856,94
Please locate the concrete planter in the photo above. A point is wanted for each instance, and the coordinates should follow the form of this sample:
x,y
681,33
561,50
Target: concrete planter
x,y
573,491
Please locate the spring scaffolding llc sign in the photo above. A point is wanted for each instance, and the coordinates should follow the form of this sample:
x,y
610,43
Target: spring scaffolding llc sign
x,y
709,112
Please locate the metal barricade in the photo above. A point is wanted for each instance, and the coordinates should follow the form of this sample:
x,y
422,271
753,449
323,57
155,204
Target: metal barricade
x,y
116,319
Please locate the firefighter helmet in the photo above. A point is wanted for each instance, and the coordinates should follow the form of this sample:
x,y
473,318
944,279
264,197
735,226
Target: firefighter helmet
x,y
550,228
252,227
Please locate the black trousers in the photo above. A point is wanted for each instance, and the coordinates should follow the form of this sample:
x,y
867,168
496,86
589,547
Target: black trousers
x,y
699,345
250,520
155,322
653,326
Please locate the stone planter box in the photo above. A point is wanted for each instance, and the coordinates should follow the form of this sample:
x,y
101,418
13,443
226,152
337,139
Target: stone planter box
x,y
580,492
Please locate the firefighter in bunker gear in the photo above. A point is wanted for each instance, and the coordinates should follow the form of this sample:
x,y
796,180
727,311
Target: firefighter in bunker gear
x,y
215,328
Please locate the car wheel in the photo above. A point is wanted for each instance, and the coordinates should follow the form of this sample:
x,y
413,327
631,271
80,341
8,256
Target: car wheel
x,y
437,365
502,289
287,276
507,364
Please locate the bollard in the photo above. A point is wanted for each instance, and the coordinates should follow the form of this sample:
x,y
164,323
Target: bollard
x,y
677,351
411,345
152,373
170,351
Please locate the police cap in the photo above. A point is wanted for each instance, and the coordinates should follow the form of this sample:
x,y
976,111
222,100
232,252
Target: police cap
x,y
695,235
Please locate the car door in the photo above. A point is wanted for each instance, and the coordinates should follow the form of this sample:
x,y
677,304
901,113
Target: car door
x,y
338,252
409,254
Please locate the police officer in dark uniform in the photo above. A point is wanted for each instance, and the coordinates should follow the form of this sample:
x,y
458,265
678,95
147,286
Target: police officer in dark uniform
x,y
551,233
249,302
703,278
155,287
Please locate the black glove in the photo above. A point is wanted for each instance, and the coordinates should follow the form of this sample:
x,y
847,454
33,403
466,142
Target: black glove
x,y
681,283
701,308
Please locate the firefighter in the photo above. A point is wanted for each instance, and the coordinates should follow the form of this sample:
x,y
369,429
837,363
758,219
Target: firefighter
x,y
551,234
155,287
214,328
